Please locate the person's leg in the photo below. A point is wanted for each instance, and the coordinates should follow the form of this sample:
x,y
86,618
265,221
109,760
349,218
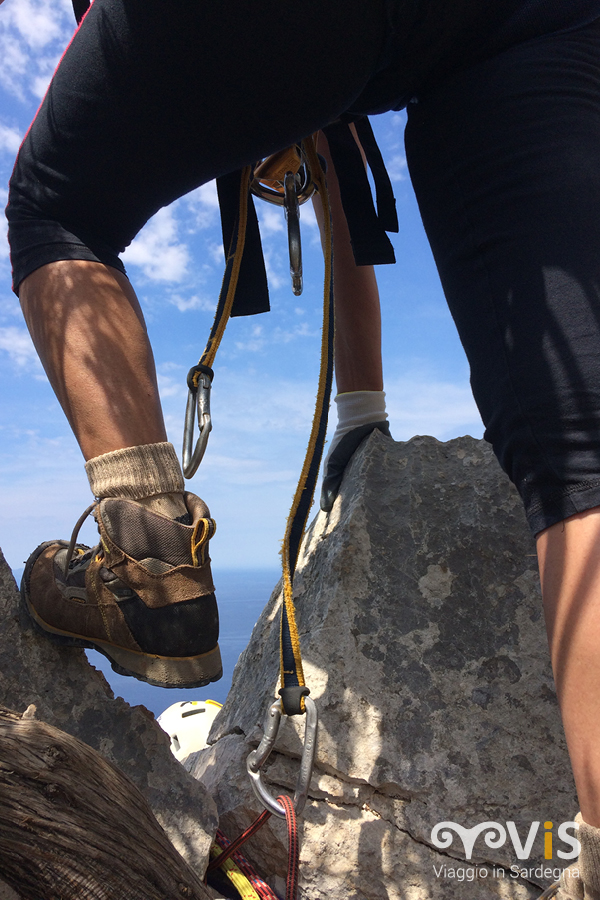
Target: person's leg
x,y
154,124
358,365
569,556
503,158
89,331
148,102
360,400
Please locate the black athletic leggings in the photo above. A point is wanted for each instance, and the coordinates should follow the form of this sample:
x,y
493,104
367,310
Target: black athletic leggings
x,y
153,99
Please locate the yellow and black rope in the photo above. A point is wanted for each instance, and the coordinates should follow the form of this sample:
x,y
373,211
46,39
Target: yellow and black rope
x,y
293,687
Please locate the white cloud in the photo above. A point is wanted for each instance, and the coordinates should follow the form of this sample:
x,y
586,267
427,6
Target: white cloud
x,y
255,342
204,204
307,215
10,139
17,343
33,34
439,408
284,336
397,168
37,22
259,337
216,253
184,304
272,219
9,306
156,249
14,65
274,259
247,471
47,65
172,386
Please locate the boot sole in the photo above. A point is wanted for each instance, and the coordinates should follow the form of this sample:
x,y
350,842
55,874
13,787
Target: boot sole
x,y
159,671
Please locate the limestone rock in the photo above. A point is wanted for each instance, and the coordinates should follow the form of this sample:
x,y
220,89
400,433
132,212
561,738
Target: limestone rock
x,y
69,693
6,892
423,642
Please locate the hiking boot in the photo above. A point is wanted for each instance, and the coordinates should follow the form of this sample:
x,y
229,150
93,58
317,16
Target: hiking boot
x,y
339,458
144,597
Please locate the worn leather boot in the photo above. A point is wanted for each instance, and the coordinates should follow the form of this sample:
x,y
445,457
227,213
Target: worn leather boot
x,y
144,597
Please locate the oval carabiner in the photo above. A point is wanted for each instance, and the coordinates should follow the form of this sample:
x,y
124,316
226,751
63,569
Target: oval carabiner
x,y
292,215
258,757
198,401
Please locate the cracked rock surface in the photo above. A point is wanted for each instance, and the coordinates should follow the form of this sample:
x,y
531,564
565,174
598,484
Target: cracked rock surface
x,y
423,642
72,695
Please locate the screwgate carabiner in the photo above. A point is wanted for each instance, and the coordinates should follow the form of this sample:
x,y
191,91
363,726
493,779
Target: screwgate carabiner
x,y
198,399
292,215
258,757
291,190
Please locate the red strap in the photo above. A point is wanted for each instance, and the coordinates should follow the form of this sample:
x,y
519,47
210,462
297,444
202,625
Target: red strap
x,y
231,849
235,845
294,848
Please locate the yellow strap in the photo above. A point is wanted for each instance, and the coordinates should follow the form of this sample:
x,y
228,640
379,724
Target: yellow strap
x,y
236,876
320,181
222,316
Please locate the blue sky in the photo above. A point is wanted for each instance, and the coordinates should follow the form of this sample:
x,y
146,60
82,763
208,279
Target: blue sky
x,y
266,369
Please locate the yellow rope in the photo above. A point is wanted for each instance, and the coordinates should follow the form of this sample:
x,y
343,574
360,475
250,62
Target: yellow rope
x,y
222,316
242,885
319,179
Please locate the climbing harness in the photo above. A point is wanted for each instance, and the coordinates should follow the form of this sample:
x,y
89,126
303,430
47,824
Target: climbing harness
x,y
294,699
287,179
293,690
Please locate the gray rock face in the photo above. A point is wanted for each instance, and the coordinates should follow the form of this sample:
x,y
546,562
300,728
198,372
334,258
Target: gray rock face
x,y
73,696
423,642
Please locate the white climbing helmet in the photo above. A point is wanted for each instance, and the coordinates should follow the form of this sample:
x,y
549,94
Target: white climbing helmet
x,y
187,724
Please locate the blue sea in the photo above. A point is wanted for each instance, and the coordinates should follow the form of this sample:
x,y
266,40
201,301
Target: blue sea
x,y
241,595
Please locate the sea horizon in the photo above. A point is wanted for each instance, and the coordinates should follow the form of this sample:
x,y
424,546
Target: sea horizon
x,y
241,595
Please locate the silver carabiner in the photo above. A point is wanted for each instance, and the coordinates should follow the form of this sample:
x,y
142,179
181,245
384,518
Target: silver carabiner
x,y
292,215
295,188
258,757
305,188
198,400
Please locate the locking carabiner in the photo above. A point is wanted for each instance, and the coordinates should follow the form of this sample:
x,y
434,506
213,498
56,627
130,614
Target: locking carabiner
x,y
292,215
199,382
258,757
287,187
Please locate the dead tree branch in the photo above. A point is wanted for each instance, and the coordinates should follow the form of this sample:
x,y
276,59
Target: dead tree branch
x,y
72,827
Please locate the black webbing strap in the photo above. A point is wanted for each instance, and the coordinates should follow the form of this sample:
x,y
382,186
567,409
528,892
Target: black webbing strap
x,y
252,293
368,237
384,192
367,225
80,7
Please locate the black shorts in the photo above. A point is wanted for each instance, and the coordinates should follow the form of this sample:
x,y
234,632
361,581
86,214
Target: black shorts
x,y
153,99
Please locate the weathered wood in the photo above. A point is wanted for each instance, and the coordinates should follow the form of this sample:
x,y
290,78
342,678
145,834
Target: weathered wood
x,y
73,826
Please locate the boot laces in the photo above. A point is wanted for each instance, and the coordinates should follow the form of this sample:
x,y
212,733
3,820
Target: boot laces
x,y
77,560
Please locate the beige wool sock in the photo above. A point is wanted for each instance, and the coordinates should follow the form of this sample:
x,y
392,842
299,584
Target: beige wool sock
x,y
581,881
149,473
